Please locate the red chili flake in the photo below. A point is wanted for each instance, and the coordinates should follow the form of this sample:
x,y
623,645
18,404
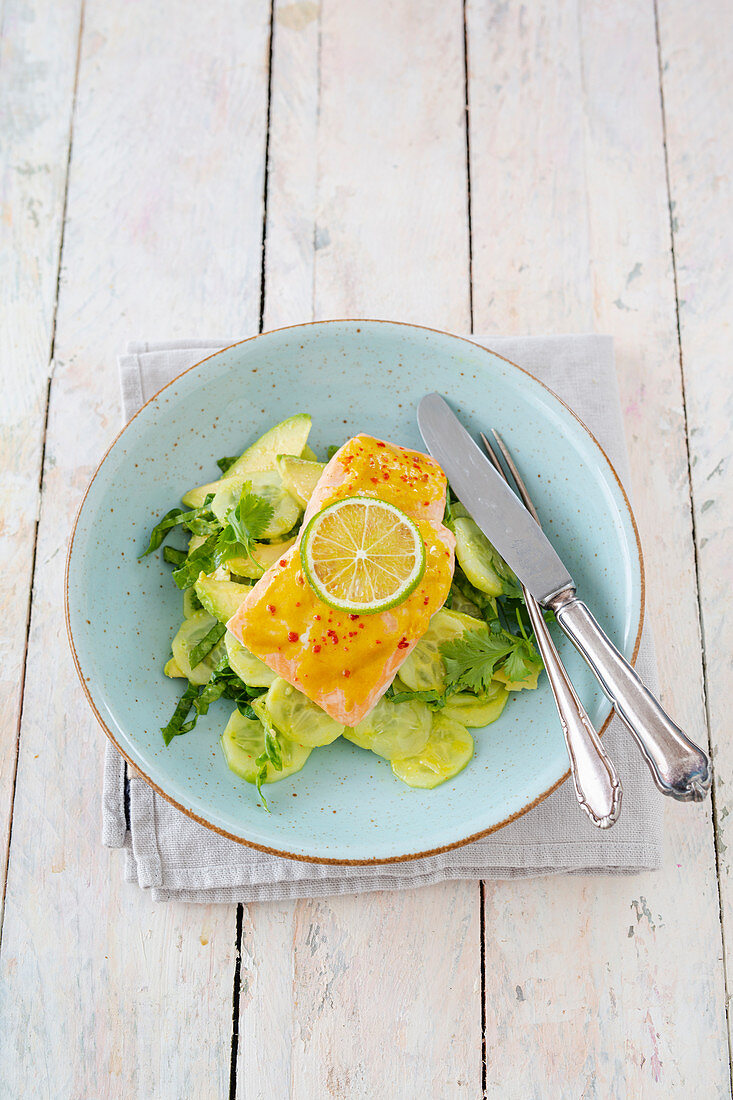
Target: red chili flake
x,y
426,601
361,626
293,636
353,617
385,476
352,633
426,503
403,643
346,672
380,444
333,636
377,641
316,649
297,603
283,562
271,608
375,480
318,618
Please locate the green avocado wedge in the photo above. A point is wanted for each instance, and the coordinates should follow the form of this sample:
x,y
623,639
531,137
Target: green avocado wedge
x,y
288,437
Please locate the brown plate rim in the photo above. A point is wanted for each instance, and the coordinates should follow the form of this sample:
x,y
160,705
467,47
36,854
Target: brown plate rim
x,y
324,859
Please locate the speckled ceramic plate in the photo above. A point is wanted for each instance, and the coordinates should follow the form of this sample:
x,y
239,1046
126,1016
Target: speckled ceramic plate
x,y
345,806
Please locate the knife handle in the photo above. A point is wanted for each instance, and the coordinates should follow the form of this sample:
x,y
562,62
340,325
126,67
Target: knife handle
x,y
596,782
680,769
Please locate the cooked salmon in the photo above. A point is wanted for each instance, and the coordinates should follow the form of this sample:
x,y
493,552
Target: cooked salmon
x,y
346,662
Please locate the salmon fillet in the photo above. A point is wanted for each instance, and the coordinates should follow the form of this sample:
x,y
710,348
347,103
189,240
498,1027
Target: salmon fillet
x,y
345,662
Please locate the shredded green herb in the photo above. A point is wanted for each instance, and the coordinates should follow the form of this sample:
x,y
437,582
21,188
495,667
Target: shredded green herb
x,y
204,647
178,724
173,556
200,521
225,464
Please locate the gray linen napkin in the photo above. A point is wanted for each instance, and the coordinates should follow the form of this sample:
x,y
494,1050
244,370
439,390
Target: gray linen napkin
x,y
178,859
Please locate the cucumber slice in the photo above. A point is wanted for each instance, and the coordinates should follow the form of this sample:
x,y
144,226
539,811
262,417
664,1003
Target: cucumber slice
x,y
298,718
191,603
171,669
393,729
424,669
300,476
477,557
264,554
267,484
465,606
288,437
220,598
449,748
190,633
250,669
242,742
476,710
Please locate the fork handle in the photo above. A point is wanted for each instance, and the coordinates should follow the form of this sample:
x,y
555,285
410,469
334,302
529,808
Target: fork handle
x,y
596,782
679,767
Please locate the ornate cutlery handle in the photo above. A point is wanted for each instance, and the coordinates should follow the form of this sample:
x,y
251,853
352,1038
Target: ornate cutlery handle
x,y
597,785
679,768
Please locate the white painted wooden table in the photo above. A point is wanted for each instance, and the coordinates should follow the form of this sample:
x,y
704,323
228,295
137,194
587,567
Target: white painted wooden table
x,y
184,168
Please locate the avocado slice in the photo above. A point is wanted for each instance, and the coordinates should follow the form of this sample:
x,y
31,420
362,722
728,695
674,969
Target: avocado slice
x,y
290,436
220,598
300,476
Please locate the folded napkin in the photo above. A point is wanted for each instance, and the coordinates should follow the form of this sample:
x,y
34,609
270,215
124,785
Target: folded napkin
x,y
178,859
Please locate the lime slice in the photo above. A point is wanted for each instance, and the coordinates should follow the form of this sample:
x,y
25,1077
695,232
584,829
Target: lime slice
x,y
362,555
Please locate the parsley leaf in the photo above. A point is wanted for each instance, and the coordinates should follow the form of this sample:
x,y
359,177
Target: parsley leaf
x,y
471,659
522,661
246,523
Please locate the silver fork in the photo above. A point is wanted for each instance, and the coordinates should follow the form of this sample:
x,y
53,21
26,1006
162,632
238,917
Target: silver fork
x,y
597,785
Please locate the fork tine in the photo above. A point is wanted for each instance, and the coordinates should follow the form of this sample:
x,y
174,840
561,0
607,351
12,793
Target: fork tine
x,y
516,475
492,456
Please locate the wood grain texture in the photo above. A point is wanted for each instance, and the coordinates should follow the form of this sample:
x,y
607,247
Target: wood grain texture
x,y
102,993
571,231
373,995
36,95
696,49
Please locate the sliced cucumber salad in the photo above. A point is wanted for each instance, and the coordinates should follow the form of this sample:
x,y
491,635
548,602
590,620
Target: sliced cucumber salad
x,y
477,650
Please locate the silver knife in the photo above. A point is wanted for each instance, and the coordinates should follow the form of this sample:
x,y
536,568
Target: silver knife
x,y
679,767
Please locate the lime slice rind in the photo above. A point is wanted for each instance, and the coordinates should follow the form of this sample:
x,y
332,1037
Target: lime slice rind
x,y
362,555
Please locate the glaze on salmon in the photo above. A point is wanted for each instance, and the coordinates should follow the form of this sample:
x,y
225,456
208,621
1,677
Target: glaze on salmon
x,y
346,662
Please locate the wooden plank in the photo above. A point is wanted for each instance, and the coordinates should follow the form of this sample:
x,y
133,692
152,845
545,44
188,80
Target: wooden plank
x,y
36,94
381,996
611,987
101,990
696,49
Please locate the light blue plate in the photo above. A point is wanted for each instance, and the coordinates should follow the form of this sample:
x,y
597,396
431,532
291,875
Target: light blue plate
x,y
351,376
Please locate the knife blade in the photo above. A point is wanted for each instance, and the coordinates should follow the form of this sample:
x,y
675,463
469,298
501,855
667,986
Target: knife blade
x,y
679,767
496,509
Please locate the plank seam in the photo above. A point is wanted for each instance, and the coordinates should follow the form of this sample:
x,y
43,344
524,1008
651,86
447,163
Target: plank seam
x,y
701,623
236,990
235,1003
482,928
467,117
265,188
44,433
317,174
